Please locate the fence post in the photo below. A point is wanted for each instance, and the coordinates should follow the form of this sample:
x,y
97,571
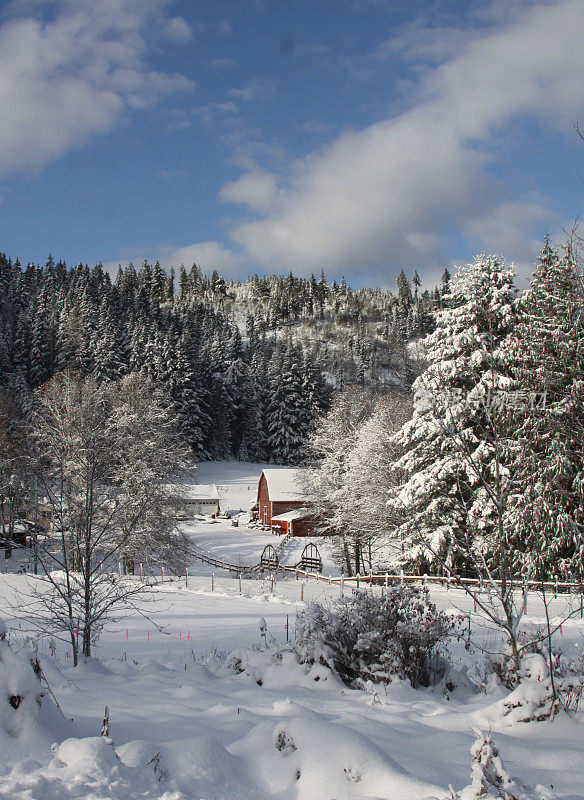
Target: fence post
x,y
163,573
186,577
239,576
302,592
343,586
329,580
358,576
401,576
556,593
371,581
140,569
212,581
272,583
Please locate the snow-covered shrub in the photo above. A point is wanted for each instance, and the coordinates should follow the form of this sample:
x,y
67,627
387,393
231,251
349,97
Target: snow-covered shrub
x,y
29,720
368,638
277,667
536,697
536,694
283,741
529,642
20,689
491,781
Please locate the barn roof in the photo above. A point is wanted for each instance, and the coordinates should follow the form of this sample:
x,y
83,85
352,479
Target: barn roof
x,y
284,484
201,491
290,516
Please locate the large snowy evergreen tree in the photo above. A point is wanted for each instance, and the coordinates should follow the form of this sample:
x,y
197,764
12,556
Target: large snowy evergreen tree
x,y
451,446
547,508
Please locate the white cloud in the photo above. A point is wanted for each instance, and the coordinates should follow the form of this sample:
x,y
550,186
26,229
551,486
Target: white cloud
x,y
207,255
518,227
257,190
172,175
398,191
419,42
73,73
177,30
252,90
227,107
213,112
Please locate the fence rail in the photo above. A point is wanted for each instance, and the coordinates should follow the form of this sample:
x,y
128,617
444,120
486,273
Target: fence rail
x,y
310,587
208,558
385,579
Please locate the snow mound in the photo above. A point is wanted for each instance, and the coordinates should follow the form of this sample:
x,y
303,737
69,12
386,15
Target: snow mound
x,y
198,766
85,768
29,721
304,757
202,767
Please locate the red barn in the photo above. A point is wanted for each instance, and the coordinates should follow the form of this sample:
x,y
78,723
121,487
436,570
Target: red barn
x,y
281,501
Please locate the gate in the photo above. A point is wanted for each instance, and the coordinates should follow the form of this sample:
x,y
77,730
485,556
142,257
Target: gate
x,y
269,559
310,559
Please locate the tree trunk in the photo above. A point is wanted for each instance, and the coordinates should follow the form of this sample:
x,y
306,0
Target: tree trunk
x,y
74,649
347,556
87,625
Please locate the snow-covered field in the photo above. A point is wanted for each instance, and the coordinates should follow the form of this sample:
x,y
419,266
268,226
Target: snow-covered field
x,y
171,693
184,725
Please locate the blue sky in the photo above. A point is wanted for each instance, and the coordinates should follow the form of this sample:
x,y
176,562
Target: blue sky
x,y
355,136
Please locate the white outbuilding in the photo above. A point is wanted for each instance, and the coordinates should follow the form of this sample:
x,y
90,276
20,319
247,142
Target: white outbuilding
x,y
201,498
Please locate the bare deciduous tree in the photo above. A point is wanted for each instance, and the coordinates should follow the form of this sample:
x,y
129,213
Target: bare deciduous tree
x,y
104,455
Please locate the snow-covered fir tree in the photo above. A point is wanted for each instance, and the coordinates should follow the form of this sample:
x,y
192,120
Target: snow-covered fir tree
x,y
442,502
547,509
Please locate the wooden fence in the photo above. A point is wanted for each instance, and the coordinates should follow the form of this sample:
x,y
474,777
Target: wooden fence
x,y
386,579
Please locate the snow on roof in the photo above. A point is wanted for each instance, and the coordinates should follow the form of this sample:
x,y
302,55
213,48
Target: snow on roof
x,y
284,484
290,516
201,491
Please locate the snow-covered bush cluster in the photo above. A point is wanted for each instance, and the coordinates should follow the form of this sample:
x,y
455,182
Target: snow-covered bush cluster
x,y
367,638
